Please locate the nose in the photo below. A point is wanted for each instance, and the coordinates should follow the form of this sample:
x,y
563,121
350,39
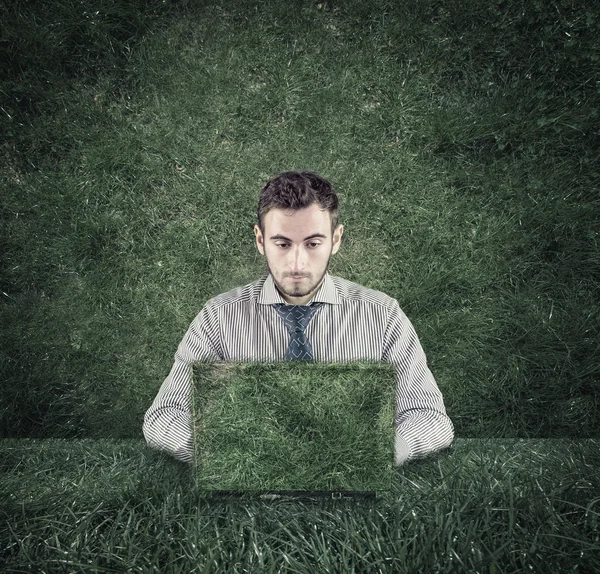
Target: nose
x,y
298,261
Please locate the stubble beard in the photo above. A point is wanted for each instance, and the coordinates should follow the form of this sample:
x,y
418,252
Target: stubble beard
x,y
296,292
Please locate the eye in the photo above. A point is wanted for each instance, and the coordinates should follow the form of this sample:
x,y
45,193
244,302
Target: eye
x,y
313,245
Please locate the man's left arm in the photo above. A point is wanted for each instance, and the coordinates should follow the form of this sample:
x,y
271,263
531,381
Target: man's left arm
x,y
421,423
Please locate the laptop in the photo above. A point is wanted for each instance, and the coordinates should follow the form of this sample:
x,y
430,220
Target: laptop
x,y
293,429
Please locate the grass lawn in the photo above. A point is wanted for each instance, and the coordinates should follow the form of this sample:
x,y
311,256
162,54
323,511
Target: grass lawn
x,y
495,505
463,141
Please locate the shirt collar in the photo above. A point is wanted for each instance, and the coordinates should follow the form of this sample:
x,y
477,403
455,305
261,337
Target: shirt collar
x,y
327,293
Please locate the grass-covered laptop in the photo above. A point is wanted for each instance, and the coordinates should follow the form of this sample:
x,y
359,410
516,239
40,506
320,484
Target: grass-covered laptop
x,y
293,427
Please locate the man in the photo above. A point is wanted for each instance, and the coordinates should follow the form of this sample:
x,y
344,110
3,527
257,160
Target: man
x,y
340,321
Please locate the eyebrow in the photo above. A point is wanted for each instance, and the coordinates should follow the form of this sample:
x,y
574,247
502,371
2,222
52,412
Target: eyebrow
x,y
274,237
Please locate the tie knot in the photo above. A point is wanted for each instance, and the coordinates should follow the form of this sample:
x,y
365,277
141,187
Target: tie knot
x,y
296,317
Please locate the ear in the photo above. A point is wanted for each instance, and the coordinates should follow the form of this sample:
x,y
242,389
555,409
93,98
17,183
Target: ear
x,y
259,240
337,239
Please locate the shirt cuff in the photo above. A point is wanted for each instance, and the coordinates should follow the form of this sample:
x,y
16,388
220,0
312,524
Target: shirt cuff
x,y
401,451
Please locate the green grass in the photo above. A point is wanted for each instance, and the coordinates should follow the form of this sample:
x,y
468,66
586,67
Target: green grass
x,y
462,138
290,426
484,505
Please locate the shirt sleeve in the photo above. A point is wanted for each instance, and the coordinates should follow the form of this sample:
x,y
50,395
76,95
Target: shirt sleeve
x,y
168,422
421,423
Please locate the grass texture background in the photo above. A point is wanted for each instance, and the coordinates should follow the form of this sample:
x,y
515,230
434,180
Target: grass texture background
x,y
463,139
486,505
293,426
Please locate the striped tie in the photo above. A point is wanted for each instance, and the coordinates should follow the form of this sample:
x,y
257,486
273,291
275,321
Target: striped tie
x,y
296,318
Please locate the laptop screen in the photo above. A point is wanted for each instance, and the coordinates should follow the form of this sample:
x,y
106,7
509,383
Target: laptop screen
x,y
293,427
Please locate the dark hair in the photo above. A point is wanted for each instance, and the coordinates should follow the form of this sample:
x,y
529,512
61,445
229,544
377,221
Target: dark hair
x,y
292,190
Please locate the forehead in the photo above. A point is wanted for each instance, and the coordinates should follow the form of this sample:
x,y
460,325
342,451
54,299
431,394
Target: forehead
x,y
298,223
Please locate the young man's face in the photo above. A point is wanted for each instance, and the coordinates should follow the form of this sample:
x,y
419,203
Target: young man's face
x,y
298,243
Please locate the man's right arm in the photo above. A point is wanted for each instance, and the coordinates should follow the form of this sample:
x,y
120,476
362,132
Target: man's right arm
x,y
168,422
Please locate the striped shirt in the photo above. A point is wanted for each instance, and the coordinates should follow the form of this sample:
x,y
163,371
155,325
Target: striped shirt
x,y
356,324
